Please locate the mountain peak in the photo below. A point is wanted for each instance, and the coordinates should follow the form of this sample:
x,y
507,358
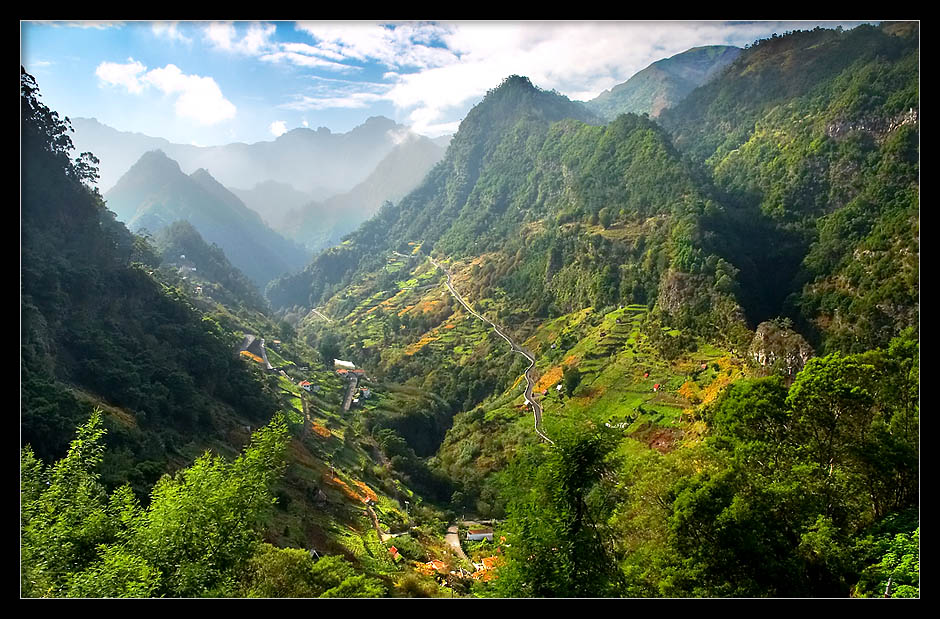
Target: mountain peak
x,y
158,160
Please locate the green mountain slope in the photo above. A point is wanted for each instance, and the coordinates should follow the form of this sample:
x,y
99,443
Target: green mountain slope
x,y
580,214
664,83
183,250
155,193
813,140
102,328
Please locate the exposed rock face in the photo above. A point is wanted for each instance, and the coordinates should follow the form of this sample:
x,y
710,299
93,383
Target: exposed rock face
x,y
776,345
680,289
879,127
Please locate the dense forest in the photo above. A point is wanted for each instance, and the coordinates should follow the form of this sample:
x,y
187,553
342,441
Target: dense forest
x,y
721,307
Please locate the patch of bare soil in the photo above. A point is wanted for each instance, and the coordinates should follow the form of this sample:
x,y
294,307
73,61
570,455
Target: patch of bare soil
x,y
659,438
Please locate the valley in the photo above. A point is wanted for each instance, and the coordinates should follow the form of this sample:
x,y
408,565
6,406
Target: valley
x,y
661,344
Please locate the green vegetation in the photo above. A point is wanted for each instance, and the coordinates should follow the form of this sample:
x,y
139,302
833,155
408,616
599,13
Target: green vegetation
x,y
672,281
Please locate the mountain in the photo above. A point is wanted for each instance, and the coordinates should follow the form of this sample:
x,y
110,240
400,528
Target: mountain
x,y
561,202
671,357
664,83
813,138
97,328
320,224
138,417
181,248
316,162
718,313
154,193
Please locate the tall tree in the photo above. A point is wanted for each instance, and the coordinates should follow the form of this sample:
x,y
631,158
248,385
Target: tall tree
x,y
558,542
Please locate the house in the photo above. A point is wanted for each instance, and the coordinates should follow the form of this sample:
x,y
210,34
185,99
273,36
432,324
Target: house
x,y
475,535
305,384
366,393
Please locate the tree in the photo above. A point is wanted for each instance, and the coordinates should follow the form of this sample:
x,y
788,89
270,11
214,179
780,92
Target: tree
x,y
571,378
43,130
200,529
329,348
556,521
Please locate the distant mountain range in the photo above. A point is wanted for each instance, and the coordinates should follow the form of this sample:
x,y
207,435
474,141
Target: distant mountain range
x,y
155,193
664,83
320,224
316,162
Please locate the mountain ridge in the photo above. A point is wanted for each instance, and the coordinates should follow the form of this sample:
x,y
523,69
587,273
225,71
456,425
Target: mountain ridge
x,y
155,193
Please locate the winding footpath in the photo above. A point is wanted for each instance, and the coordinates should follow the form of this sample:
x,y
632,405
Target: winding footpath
x,y
530,380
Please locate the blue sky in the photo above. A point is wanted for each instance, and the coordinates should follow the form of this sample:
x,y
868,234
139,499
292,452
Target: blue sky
x,y
210,83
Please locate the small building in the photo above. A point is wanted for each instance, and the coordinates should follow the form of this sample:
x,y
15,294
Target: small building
x,y
476,535
366,393
304,384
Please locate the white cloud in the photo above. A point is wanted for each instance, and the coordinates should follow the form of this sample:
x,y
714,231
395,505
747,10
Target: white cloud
x,y
278,128
355,100
257,39
306,60
125,75
393,45
170,30
220,34
197,98
97,25
578,59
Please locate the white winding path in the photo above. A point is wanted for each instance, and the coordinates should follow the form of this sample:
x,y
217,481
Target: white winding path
x,y
530,381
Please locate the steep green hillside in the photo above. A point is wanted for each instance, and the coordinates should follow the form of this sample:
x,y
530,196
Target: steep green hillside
x,y
579,214
105,329
183,250
813,139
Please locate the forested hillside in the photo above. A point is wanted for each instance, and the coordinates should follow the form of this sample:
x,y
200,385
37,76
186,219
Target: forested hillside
x,y
669,357
137,399
813,140
550,221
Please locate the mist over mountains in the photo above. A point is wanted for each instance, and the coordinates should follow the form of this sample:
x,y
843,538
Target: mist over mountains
x,y
317,162
155,193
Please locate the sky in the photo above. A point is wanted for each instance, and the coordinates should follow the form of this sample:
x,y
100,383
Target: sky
x,y
210,83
